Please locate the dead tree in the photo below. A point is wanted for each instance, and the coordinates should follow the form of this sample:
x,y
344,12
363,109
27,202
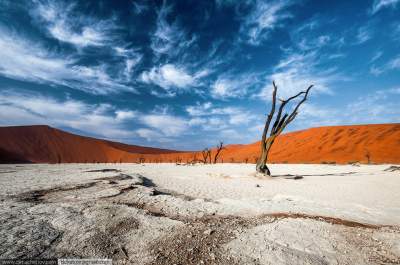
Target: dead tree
x,y
368,156
206,155
220,147
278,126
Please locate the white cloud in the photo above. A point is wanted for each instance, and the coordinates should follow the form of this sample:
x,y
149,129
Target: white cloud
x,y
25,60
169,77
264,17
376,70
65,24
200,109
380,106
167,124
223,88
231,86
148,134
168,38
139,7
197,121
376,56
393,64
376,107
125,114
29,109
363,34
306,43
131,59
380,4
296,72
214,118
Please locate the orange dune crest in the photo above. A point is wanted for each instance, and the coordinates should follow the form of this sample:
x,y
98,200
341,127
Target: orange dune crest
x,y
375,143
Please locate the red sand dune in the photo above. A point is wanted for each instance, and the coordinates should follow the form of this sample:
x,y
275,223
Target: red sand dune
x,y
378,143
43,144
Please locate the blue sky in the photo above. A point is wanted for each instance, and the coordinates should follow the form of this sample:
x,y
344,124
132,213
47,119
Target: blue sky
x,y
186,74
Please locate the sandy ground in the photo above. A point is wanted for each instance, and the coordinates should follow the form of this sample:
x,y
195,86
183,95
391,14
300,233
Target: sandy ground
x,y
201,214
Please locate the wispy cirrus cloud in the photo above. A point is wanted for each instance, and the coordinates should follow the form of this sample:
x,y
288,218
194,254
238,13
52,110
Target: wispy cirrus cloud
x,y
364,34
139,7
23,59
309,60
63,22
102,120
172,78
376,107
211,117
393,64
234,86
131,59
376,56
296,72
168,125
168,38
223,122
264,17
381,4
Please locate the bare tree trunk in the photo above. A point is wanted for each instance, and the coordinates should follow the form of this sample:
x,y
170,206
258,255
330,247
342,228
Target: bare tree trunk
x,y
220,147
278,126
206,155
262,162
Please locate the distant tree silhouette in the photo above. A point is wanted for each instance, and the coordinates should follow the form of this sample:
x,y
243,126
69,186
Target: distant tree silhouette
x,y
206,153
220,147
368,156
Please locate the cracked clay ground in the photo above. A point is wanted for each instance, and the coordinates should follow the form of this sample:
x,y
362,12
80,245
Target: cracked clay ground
x,y
202,214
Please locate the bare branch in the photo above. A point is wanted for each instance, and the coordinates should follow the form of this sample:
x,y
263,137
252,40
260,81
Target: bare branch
x,y
281,107
294,113
220,147
278,126
206,154
271,114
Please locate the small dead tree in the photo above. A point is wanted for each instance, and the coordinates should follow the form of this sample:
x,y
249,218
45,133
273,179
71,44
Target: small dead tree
x,y
278,126
368,156
194,160
220,147
206,153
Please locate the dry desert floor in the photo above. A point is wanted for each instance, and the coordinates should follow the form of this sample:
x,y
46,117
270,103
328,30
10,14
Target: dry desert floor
x,y
201,214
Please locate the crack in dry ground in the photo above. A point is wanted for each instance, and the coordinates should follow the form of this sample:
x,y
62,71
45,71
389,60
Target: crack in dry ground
x,y
202,240
104,170
198,241
37,196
